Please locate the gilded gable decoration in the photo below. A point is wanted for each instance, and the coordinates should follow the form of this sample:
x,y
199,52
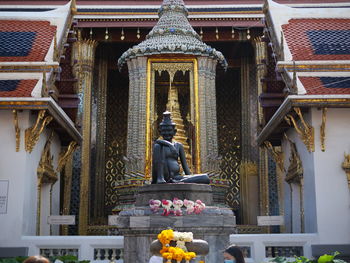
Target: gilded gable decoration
x,y
65,155
323,129
46,173
278,156
295,169
305,131
17,130
32,134
346,167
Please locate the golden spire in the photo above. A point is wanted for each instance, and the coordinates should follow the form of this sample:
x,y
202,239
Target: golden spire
x,y
173,106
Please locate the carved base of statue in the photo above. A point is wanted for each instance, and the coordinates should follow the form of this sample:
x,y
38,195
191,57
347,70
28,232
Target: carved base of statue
x,y
141,225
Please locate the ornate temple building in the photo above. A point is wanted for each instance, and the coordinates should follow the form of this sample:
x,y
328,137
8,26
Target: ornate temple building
x,y
259,91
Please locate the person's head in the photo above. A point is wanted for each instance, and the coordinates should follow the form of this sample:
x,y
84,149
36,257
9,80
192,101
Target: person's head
x,y
233,254
36,259
167,127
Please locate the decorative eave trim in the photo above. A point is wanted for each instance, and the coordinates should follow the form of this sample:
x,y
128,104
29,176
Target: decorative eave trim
x,y
43,104
253,22
319,66
133,18
306,101
17,67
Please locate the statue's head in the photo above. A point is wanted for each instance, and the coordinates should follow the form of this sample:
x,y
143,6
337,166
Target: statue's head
x,y
167,127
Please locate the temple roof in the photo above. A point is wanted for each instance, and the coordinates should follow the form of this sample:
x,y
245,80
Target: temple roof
x,y
313,43
318,39
311,49
23,40
173,34
17,87
326,85
31,45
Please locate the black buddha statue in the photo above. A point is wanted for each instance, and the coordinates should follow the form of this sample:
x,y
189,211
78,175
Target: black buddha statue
x,y
166,154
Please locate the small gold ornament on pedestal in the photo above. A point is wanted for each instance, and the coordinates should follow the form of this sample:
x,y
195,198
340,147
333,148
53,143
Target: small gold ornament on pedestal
x,y
346,166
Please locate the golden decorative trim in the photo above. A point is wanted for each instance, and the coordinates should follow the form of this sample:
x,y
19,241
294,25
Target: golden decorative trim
x,y
172,68
46,173
295,168
19,105
196,99
265,7
314,67
301,198
155,13
27,67
306,132
50,206
32,134
170,65
246,170
338,102
55,49
64,156
38,209
263,178
148,154
68,169
295,175
156,19
346,167
309,101
73,7
323,129
17,130
278,156
260,58
86,55
251,229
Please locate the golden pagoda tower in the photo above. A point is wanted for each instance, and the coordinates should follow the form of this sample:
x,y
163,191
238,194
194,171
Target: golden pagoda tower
x,y
173,106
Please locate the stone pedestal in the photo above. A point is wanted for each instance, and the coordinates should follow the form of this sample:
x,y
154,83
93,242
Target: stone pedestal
x,y
140,226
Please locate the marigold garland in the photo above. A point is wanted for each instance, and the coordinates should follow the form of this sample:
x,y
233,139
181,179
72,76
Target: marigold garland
x,y
173,253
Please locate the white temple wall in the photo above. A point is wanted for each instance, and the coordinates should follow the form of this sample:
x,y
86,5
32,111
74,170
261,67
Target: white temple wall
x,y
12,169
293,220
326,195
20,170
332,191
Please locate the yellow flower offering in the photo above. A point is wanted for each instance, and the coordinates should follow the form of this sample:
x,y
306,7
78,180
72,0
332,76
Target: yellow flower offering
x,y
175,253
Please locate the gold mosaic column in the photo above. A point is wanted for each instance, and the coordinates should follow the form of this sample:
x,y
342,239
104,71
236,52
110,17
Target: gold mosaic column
x,y
261,70
249,170
84,52
98,205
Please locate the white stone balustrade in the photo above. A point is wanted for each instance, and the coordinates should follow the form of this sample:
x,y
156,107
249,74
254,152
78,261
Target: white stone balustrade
x,y
257,247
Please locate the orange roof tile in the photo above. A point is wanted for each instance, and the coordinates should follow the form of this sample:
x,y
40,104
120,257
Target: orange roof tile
x,y
25,40
326,85
17,88
318,39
